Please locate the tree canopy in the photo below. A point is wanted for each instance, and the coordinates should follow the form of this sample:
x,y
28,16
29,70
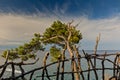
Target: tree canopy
x,y
60,34
25,51
65,36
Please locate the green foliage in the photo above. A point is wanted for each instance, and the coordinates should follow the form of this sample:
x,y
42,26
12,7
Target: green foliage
x,y
61,34
61,29
32,56
25,51
58,34
55,53
4,54
57,28
24,57
12,56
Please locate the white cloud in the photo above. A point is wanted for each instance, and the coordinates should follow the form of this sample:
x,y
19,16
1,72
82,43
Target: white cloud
x,y
61,9
16,29
109,28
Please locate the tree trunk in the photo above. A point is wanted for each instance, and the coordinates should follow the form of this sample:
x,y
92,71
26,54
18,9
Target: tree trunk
x,y
78,56
77,76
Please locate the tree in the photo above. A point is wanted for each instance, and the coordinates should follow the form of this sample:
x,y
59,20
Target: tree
x,y
65,36
26,51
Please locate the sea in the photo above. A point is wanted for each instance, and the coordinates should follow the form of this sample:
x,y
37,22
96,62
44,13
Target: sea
x,y
53,68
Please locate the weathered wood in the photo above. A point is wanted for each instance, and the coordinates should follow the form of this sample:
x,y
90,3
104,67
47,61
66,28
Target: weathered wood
x,y
72,68
58,69
3,70
5,65
103,68
73,64
22,71
88,63
95,50
31,75
13,70
63,63
44,66
88,57
114,66
78,56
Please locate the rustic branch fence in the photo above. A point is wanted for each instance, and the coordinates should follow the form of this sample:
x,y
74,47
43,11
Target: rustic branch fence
x,y
59,72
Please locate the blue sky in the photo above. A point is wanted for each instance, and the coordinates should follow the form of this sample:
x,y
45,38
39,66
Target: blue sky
x,y
20,19
92,8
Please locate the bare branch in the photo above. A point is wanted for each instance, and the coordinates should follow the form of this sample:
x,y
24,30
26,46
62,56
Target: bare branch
x,y
97,41
50,38
21,63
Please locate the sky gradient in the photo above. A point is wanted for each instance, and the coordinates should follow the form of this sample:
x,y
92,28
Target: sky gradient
x,y
20,19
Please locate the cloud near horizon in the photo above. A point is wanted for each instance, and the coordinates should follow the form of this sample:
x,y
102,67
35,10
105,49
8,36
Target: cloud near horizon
x,y
18,29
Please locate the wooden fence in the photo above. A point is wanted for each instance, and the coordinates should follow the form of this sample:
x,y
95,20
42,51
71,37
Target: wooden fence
x,y
59,73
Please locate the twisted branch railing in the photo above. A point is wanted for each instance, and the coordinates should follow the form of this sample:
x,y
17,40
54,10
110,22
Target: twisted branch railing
x,y
103,58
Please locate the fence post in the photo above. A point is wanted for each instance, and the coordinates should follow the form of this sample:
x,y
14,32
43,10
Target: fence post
x,y
63,63
31,75
72,67
22,70
118,68
13,70
95,50
5,64
87,58
44,67
58,69
103,70
114,66
94,69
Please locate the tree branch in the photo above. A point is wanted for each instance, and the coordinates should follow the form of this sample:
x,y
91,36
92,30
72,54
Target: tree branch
x,y
62,37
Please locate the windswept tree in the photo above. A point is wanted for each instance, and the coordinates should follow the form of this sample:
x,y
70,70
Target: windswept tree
x,y
64,36
26,51
22,54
